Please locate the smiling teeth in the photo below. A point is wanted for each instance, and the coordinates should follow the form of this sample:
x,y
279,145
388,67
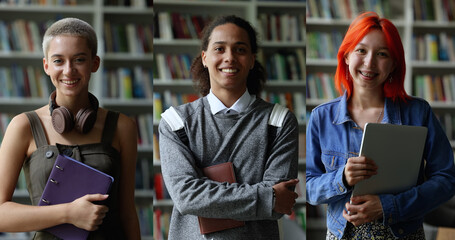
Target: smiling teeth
x,y
368,74
70,82
229,70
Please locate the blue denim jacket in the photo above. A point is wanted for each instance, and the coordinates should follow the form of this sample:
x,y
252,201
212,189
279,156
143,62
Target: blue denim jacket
x,y
333,137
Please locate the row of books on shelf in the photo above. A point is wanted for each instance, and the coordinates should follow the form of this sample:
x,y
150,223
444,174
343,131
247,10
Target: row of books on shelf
x,y
131,38
323,45
447,121
347,9
24,81
127,83
321,86
22,35
161,224
272,27
129,3
166,99
285,65
281,27
144,124
293,101
135,3
173,66
434,47
435,88
282,65
174,25
440,10
145,216
144,174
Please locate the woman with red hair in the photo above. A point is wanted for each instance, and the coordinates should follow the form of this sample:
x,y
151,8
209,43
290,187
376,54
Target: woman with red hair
x,y
370,79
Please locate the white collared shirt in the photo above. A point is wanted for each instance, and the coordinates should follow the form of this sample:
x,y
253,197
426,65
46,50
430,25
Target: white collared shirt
x,y
216,106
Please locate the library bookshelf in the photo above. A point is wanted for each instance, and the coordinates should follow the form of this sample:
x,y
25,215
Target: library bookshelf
x,y
427,30
177,42
123,82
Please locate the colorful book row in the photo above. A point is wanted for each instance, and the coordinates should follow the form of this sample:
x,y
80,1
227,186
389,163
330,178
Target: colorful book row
x,y
127,83
21,35
146,219
133,3
321,86
293,101
131,37
145,129
173,66
448,124
144,174
346,9
128,3
435,88
161,224
173,25
323,45
24,81
283,27
434,47
434,10
285,66
162,101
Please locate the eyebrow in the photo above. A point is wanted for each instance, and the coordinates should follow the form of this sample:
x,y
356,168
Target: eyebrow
x,y
237,43
386,48
75,55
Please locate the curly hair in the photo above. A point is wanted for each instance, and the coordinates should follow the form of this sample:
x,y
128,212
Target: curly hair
x,y
201,79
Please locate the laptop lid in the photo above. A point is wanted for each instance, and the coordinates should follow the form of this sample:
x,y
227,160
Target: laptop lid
x,y
397,151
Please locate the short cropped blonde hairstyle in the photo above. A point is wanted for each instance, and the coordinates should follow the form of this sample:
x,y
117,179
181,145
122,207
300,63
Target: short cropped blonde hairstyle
x,y
71,27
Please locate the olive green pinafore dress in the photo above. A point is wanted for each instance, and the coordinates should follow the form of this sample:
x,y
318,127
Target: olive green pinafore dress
x,y
101,156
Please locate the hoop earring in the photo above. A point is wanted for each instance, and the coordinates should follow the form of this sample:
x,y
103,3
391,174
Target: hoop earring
x,y
390,79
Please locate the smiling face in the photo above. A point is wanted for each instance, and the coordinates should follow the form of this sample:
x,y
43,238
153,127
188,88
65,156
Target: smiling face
x,y
370,63
69,64
228,58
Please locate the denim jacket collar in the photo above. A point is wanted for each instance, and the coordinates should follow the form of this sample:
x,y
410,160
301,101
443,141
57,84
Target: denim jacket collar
x,y
391,113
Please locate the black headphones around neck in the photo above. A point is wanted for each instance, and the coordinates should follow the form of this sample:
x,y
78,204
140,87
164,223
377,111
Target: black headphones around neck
x,y
64,121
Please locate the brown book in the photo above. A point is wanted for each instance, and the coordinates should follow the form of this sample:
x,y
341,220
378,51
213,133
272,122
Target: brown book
x,y
223,172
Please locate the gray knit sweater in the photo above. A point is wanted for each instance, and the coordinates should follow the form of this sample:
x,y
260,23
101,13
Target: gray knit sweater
x,y
241,139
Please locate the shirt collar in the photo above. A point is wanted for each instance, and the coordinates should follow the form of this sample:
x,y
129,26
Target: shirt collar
x,y
239,106
391,112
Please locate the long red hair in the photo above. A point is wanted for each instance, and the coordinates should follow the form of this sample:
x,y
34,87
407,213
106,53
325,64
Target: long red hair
x,y
360,27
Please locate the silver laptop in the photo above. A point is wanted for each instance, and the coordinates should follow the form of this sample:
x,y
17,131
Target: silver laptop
x,y
397,151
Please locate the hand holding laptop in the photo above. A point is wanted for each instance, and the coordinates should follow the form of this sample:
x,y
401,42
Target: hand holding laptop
x,y
358,169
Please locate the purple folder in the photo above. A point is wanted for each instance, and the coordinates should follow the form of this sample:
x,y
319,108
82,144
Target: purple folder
x,y
69,180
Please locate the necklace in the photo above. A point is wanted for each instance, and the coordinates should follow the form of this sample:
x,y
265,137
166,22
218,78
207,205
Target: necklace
x,y
377,121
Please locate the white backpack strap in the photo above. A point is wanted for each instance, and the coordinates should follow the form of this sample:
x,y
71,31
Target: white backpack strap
x,y
173,119
277,116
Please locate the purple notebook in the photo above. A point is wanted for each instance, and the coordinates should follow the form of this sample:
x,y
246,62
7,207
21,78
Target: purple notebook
x,y
69,180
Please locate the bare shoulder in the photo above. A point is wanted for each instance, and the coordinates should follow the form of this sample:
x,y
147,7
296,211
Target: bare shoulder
x,y
126,124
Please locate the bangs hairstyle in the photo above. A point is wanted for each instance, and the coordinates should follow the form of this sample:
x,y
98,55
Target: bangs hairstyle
x,y
358,29
71,27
